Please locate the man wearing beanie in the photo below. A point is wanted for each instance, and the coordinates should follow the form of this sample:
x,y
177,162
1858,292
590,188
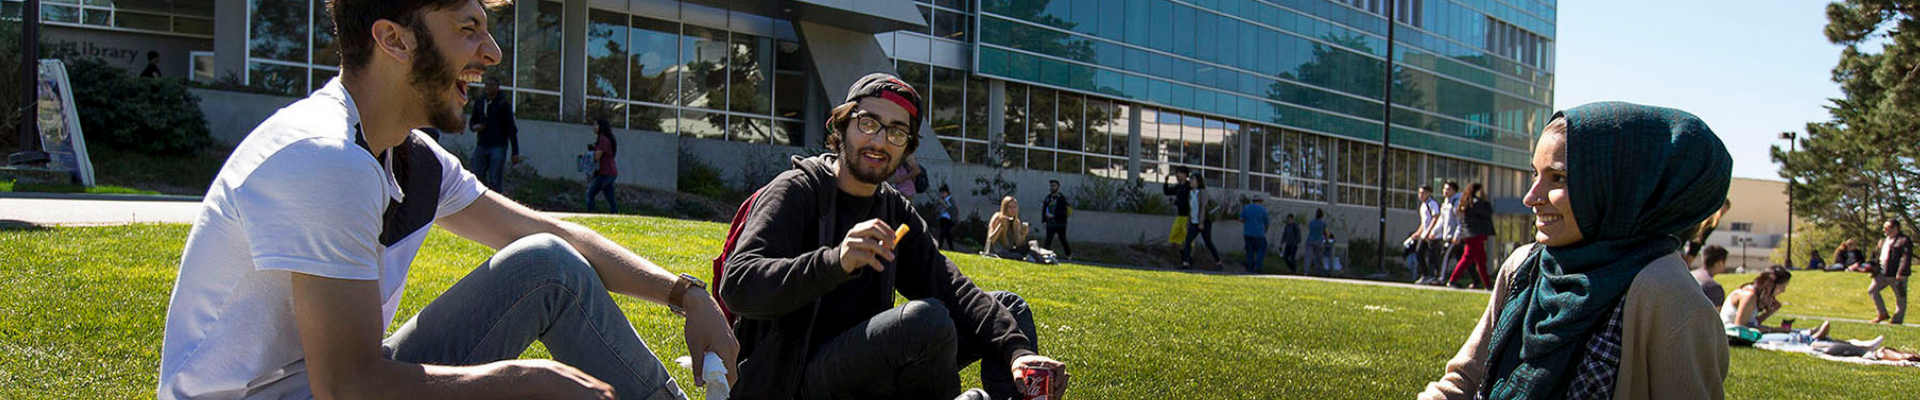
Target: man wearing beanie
x,y
814,270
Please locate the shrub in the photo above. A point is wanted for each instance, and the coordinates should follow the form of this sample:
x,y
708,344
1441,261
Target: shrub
x,y
696,177
1136,198
1097,194
154,116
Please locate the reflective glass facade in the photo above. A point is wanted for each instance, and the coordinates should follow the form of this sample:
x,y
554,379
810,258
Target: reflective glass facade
x,y
1300,83
657,65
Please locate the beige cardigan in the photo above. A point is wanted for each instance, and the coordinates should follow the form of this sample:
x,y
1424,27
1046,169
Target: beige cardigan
x,y
1672,344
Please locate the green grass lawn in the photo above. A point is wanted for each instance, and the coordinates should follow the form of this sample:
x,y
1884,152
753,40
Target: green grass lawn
x,y
10,186
82,309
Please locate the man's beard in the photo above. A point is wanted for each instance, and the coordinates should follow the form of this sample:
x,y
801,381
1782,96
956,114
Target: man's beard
x,y
855,165
431,80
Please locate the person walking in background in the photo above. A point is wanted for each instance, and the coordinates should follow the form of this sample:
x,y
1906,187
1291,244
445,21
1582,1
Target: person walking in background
x,y
908,179
1181,191
153,65
604,148
1053,213
499,136
1426,250
1714,264
1316,242
944,204
1896,264
1601,306
1476,226
1446,229
1199,221
1253,220
1290,243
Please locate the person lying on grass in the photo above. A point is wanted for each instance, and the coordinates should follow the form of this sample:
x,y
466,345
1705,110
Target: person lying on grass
x,y
296,265
1752,304
814,271
1601,306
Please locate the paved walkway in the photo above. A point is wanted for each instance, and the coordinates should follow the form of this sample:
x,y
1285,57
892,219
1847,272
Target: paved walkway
x,y
94,210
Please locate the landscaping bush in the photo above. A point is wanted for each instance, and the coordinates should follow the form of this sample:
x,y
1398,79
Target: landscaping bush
x,y
696,177
154,116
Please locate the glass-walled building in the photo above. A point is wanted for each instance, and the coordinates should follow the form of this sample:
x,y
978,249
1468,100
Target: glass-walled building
x,y
1285,97
1282,96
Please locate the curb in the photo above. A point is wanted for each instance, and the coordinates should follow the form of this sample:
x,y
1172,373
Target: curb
x,y
97,196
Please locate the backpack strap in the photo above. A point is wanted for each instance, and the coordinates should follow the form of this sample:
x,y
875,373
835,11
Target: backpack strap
x,y
726,250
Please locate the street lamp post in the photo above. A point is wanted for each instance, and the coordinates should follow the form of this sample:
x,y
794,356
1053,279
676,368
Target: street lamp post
x,y
1792,144
29,153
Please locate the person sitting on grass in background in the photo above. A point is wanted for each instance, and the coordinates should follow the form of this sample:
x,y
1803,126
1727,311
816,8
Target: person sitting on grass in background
x,y
1600,306
820,256
1007,235
1750,305
1713,264
297,263
1848,257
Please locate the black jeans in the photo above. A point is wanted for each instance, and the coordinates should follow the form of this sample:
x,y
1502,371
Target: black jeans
x,y
913,351
1429,255
946,233
1203,231
1060,231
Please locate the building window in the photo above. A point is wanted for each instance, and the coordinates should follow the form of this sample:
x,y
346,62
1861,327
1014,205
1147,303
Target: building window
x,y
1740,227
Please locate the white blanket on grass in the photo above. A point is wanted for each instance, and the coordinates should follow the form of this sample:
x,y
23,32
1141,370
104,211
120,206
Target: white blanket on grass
x,y
1809,350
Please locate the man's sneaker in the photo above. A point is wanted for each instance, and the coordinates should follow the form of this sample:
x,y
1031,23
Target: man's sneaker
x,y
973,394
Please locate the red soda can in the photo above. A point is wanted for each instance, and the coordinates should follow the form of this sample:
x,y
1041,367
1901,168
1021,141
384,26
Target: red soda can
x,y
1038,383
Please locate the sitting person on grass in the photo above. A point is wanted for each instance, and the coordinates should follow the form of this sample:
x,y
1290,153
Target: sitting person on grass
x,y
1007,236
1753,303
1712,266
818,261
294,270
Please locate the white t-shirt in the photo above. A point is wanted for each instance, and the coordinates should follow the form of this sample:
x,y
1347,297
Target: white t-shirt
x,y
302,194
1429,212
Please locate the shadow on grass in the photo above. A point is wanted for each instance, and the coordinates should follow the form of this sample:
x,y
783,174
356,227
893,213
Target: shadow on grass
x,y
14,225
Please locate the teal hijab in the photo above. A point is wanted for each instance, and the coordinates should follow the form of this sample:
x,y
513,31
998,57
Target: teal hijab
x,y
1639,177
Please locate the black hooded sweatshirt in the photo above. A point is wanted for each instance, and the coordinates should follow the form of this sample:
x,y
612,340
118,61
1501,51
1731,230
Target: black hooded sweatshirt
x,y
785,284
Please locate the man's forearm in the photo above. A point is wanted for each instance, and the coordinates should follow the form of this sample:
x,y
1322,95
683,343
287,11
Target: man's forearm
x,y
620,269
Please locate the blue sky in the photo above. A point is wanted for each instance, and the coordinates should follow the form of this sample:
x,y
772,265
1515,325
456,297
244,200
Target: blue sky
x,y
1751,68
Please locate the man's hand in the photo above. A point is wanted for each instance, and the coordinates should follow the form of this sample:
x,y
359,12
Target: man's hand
x,y
560,380
707,331
518,159
476,128
1036,361
866,245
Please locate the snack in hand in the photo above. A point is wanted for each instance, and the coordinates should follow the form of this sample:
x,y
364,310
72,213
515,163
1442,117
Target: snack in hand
x,y
900,234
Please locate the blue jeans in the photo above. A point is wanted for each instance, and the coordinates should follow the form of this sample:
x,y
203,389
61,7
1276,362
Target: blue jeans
x,y
1256,253
537,288
603,185
490,165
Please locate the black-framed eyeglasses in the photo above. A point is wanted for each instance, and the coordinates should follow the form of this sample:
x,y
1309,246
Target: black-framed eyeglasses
x,y
868,124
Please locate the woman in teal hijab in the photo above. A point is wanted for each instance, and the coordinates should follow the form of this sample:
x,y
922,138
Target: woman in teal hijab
x,y
1602,307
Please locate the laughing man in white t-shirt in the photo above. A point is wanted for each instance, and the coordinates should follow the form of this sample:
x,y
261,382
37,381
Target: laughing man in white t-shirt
x,y
298,260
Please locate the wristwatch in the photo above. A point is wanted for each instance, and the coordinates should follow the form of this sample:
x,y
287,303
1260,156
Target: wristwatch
x,y
676,298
